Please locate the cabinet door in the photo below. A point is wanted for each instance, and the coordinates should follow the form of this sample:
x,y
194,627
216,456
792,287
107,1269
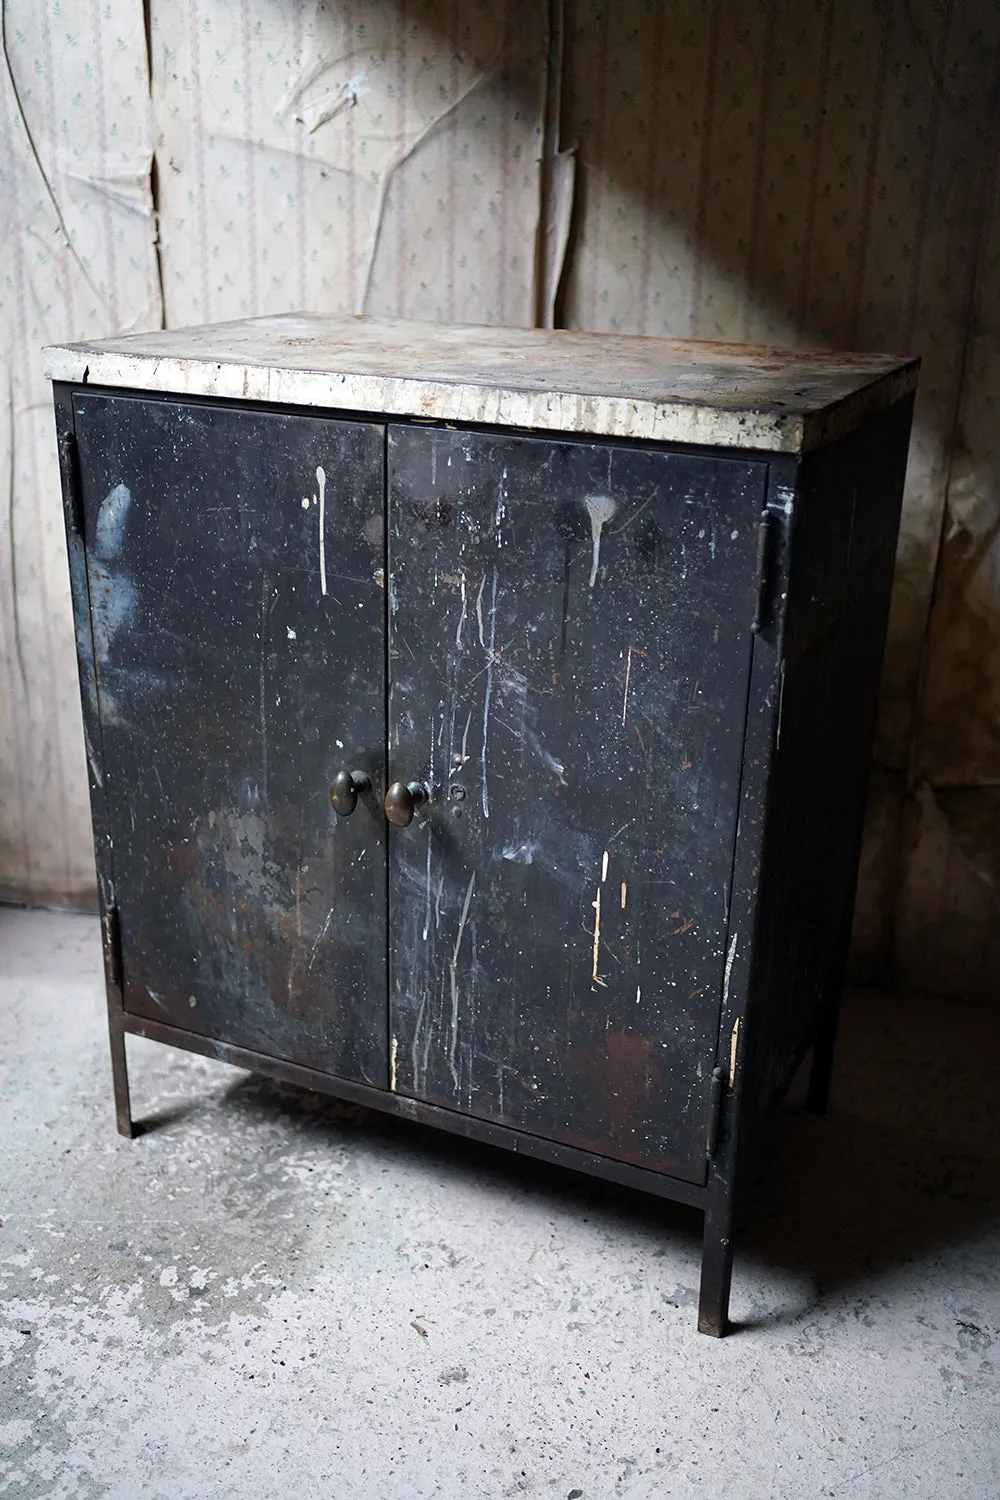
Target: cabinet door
x,y
569,656
235,565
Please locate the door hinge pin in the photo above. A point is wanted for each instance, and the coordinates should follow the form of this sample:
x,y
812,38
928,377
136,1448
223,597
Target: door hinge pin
x,y
715,1110
113,947
760,605
70,455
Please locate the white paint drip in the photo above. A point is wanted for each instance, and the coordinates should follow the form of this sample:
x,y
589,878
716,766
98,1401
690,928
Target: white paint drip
x,y
393,1058
461,618
604,867
601,509
489,688
624,894
638,994
730,959
479,612
597,940
453,967
321,484
263,681
427,912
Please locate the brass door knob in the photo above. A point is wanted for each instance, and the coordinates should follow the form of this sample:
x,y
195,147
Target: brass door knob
x,y
402,800
344,790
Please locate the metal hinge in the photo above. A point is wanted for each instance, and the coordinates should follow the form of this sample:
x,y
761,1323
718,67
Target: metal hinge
x,y
715,1111
112,947
763,557
74,489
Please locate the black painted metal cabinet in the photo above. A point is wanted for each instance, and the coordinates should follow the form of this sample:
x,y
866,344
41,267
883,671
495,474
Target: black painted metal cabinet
x,y
511,780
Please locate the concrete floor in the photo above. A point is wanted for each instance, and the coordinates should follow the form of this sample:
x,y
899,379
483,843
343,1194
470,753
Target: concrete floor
x,y
271,1295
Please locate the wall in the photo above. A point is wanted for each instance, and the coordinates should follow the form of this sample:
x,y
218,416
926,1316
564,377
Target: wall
x,y
76,260
819,172
822,173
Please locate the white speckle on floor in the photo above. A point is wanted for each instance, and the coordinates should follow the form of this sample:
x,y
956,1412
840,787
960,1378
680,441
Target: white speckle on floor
x,y
271,1294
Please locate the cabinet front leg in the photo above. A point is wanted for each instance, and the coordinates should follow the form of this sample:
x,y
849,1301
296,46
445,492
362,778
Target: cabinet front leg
x,y
818,1096
716,1265
119,1074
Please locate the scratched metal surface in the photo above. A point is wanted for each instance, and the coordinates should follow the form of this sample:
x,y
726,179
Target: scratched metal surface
x,y
234,564
569,655
664,390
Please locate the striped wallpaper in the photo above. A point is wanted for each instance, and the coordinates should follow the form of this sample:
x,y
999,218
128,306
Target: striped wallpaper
x,y
792,171
76,230
824,173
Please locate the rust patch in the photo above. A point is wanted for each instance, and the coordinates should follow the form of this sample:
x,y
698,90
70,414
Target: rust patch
x,y
184,860
629,1073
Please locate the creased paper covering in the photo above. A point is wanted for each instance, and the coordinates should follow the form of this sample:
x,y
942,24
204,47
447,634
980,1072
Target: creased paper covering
x,y
76,260
816,175
813,173
365,157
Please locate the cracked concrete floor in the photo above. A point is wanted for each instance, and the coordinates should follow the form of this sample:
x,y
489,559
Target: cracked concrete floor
x,y
269,1294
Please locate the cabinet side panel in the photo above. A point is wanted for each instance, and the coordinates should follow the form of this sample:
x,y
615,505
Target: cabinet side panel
x,y
847,508
234,565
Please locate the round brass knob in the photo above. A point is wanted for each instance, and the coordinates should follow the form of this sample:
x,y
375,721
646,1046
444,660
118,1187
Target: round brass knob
x,y
402,800
344,790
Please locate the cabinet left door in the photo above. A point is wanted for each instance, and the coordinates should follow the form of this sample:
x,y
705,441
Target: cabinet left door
x,y
235,565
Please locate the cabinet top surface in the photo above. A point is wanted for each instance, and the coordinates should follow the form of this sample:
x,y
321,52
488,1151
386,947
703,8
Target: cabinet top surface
x,y
609,385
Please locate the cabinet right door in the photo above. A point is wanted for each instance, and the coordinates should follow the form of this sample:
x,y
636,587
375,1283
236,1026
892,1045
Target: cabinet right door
x,y
569,651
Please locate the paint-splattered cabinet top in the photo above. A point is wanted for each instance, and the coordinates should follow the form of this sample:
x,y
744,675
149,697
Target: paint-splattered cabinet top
x,y
666,390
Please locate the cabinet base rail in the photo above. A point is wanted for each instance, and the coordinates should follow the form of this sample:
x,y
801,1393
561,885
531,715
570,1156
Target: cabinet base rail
x,y
715,1199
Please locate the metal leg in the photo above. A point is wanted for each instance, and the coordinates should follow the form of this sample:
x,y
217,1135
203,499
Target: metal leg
x,y
119,1074
818,1095
716,1266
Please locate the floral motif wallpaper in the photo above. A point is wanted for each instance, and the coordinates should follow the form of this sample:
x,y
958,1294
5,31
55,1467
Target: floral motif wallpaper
x,y
364,156
76,260
823,172
788,171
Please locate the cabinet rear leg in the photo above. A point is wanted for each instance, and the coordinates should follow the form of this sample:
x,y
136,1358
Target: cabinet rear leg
x,y
716,1266
818,1094
119,1074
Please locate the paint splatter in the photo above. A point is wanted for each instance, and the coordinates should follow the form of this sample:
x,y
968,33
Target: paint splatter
x,y
600,509
321,486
